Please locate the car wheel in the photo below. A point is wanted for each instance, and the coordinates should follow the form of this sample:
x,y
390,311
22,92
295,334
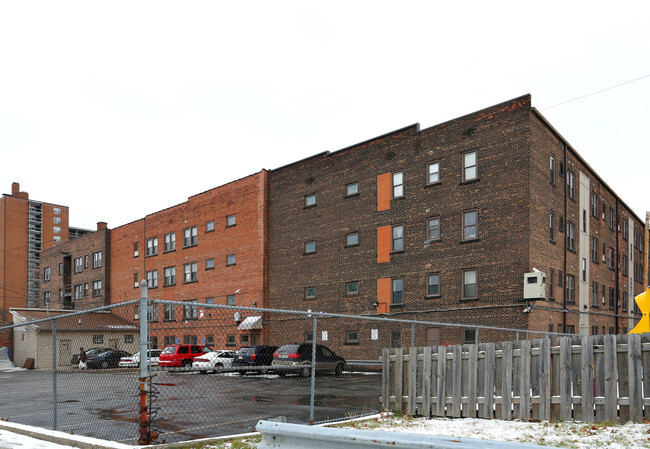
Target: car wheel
x,y
339,369
219,366
104,364
305,372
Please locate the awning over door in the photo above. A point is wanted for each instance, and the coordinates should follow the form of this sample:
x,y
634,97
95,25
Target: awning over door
x,y
251,323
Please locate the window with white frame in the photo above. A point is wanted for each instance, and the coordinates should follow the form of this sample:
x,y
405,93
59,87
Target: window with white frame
x,y
433,228
136,249
398,184
170,312
470,225
570,288
397,293
433,284
470,284
152,246
209,226
190,309
97,288
56,211
570,236
230,260
571,184
78,291
46,297
352,239
310,200
57,220
310,292
97,259
352,288
470,168
170,276
190,236
310,247
231,220
190,270
152,278
209,264
170,242
433,172
230,300
352,189
78,264
397,238
47,273
552,170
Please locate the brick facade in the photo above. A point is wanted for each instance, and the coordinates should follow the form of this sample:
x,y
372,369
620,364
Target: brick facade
x,y
78,277
488,199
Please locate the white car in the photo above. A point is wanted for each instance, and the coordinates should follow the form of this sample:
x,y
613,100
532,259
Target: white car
x,y
133,361
213,361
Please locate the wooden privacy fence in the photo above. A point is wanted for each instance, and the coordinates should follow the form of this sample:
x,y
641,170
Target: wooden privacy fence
x,y
601,378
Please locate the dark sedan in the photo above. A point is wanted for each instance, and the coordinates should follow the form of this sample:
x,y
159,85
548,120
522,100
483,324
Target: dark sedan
x,y
107,359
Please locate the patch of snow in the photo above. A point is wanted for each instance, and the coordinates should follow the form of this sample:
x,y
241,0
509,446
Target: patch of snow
x,y
6,365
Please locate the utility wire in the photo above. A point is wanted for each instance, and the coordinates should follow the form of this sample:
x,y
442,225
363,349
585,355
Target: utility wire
x,y
597,92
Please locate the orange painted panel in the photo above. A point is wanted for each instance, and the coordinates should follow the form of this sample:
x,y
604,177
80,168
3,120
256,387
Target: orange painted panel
x,y
383,295
383,244
383,191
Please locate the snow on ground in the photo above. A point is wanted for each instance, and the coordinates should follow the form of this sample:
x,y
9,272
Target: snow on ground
x,y
570,435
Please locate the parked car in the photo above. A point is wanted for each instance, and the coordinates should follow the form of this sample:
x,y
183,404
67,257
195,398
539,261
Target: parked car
x,y
181,355
133,361
254,356
107,359
89,353
296,358
213,361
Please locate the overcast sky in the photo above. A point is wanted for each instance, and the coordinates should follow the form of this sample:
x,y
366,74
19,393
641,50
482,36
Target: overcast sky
x,y
119,109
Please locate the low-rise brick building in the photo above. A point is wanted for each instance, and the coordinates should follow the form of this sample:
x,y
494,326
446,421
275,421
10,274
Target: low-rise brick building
x,y
441,224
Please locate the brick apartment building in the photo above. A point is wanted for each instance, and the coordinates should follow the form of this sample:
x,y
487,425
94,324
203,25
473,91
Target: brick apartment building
x,y
75,273
441,224
26,228
210,249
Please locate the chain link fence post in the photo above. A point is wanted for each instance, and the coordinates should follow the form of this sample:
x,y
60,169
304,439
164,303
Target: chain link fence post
x,y
54,399
145,419
312,393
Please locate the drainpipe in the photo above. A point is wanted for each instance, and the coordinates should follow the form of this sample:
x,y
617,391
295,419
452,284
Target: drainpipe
x,y
617,267
566,216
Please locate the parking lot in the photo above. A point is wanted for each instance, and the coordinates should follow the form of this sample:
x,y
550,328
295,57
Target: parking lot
x,y
187,405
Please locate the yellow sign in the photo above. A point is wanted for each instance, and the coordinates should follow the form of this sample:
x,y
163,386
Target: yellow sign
x,y
643,301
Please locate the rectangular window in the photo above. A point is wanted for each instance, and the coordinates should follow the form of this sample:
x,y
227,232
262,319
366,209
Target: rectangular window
x,y
470,226
86,261
57,238
624,228
310,247
310,292
610,258
551,222
398,184
78,291
433,172
190,236
170,276
169,340
624,301
584,220
190,271
395,339
128,339
78,265
570,236
570,288
170,312
352,239
398,238
470,167
230,260
136,249
209,300
136,280
397,292
56,229
433,284
352,337
152,278
46,297
209,264
98,339
594,205
551,274
60,268
97,288
433,228
85,289
60,293
594,249
594,294
209,340
47,274
230,300
611,298
209,226
584,270
152,246
612,221
190,310
230,340
624,264
552,170
152,313
470,336
97,259
470,284
571,184
170,242
352,189
56,211
57,220
352,288
231,220
310,200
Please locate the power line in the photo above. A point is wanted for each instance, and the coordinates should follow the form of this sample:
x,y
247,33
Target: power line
x,y
597,92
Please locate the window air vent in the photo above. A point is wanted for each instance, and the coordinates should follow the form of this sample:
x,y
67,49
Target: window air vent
x,y
390,155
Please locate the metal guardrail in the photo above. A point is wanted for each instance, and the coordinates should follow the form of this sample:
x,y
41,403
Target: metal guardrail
x,y
279,435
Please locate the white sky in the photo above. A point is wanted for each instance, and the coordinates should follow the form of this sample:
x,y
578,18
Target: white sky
x,y
119,109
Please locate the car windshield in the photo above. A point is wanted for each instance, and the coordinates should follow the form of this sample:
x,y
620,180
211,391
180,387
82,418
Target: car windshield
x,y
246,350
137,354
169,350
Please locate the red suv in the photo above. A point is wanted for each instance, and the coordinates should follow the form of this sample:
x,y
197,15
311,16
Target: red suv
x,y
181,355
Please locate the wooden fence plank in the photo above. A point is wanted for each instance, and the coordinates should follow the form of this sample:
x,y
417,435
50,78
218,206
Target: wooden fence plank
x,y
426,382
488,390
635,378
399,374
599,373
545,380
506,381
472,375
611,379
565,379
456,379
385,373
645,361
440,381
412,375
516,351
576,376
587,378
623,378
524,381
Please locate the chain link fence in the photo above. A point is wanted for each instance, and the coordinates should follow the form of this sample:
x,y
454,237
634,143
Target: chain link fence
x,y
193,370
